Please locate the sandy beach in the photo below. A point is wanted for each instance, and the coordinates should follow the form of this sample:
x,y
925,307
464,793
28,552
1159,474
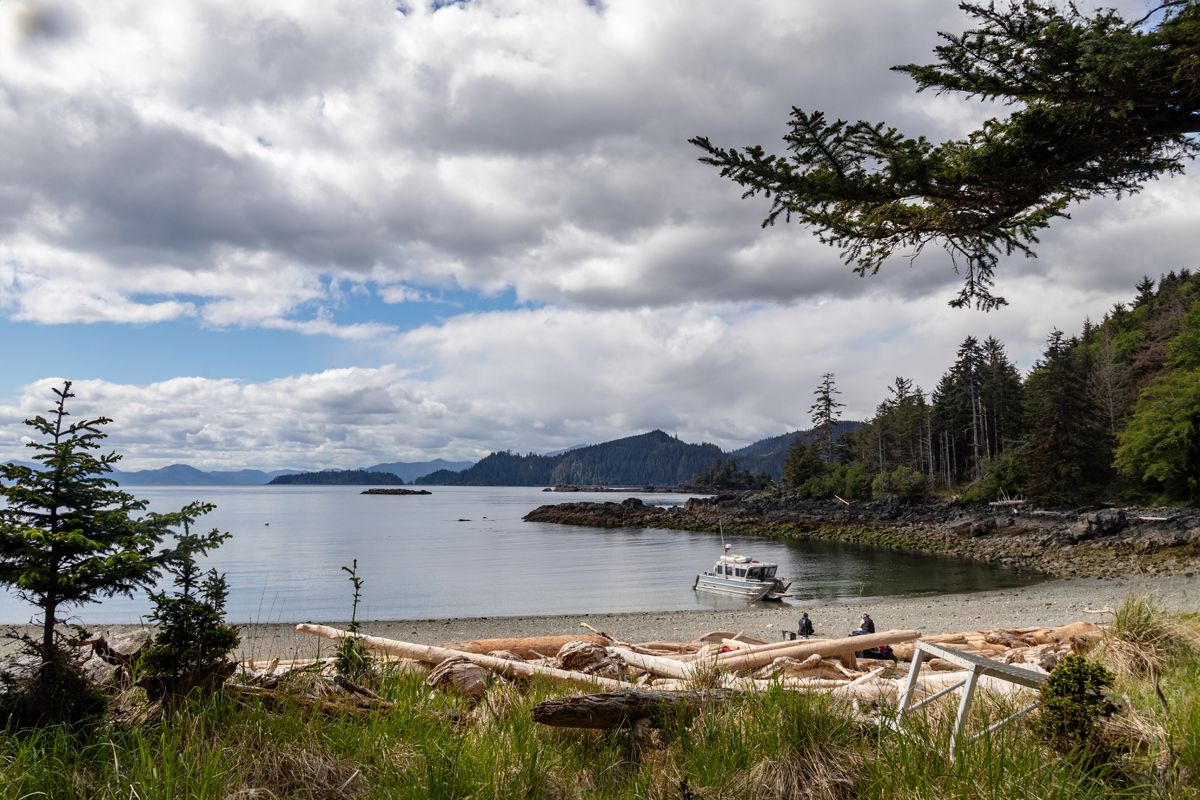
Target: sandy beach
x,y
1055,602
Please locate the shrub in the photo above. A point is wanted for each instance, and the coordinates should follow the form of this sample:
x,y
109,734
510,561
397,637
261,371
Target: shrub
x,y
858,482
58,692
191,649
1073,698
352,658
903,481
1004,475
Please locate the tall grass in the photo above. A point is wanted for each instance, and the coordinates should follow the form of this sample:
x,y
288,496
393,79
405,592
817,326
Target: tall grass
x,y
775,745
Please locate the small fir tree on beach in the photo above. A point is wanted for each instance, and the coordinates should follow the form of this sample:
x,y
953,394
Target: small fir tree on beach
x,y
67,536
192,646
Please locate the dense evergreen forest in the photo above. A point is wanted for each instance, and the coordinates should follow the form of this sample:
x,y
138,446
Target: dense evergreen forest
x,y
1110,414
343,477
650,458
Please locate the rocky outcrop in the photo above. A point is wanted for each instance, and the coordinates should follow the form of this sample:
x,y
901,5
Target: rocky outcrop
x,y
1065,542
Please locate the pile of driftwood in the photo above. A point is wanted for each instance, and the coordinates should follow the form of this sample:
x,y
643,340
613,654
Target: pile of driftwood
x,y
626,680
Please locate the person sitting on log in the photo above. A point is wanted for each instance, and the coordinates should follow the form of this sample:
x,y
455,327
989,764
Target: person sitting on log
x,y
806,626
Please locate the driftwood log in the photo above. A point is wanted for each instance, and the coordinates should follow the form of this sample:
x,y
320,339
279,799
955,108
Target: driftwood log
x,y
527,648
436,655
832,647
657,665
612,709
459,676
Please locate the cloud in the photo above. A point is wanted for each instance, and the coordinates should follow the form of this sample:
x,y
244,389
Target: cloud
x,y
229,155
547,378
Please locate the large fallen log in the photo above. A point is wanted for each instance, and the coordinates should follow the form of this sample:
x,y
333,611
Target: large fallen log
x,y
527,648
611,709
436,655
831,647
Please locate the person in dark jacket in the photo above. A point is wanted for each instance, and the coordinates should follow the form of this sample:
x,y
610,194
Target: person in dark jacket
x,y
867,625
806,626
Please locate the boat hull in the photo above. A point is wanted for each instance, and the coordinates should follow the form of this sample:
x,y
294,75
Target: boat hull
x,y
750,590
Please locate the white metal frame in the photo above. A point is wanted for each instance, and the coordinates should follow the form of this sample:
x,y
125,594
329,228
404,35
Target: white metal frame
x,y
976,667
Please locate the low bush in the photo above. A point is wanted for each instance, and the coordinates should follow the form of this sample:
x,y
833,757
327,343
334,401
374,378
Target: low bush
x,y
903,482
1074,698
56,693
1003,476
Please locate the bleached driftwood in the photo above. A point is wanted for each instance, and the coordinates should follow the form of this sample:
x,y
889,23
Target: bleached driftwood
x,y
459,676
436,655
526,647
744,648
849,689
832,647
748,684
658,665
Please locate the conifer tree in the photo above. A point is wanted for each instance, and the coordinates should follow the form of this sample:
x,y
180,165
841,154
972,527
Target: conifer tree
x,y
1065,456
825,416
67,537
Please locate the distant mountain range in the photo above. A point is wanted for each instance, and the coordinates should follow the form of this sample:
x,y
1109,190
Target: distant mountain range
x,y
650,458
183,475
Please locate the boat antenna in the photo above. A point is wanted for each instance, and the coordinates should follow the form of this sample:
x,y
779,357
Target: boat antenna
x,y
724,547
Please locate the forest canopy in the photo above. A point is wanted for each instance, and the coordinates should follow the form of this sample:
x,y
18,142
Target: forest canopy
x,y
1109,414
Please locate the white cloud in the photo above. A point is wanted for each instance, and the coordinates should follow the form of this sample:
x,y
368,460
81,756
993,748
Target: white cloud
x,y
502,143
549,378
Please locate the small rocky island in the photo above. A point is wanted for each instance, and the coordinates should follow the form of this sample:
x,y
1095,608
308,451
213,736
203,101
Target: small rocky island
x,y
1059,541
396,491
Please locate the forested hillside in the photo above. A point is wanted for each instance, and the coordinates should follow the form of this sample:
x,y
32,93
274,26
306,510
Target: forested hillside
x,y
1110,414
768,455
651,458
339,477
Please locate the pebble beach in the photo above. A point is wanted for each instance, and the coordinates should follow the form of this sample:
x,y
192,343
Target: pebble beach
x,y
1055,602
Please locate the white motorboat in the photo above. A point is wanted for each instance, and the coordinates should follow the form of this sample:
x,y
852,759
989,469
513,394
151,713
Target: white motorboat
x,y
740,576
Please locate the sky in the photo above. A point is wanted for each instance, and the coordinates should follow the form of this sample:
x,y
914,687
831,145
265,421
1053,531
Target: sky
x,y
306,234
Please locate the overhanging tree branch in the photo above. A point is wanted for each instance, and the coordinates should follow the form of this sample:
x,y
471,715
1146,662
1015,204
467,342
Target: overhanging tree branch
x,y
1102,107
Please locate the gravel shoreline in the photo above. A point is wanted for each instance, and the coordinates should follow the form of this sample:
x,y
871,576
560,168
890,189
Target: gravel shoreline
x,y
1055,602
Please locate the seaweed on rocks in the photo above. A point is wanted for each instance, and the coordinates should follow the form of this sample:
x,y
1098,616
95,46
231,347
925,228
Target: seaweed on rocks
x,y
1059,541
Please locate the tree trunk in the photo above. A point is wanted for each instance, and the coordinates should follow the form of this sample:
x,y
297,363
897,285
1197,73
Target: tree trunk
x,y
50,608
612,709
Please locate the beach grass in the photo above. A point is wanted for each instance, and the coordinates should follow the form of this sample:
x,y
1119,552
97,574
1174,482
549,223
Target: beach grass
x,y
773,744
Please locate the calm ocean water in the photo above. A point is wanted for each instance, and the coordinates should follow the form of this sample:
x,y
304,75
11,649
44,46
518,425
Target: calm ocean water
x,y
464,552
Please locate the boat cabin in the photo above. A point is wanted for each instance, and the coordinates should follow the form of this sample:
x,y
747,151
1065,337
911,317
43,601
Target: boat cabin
x,y
742,567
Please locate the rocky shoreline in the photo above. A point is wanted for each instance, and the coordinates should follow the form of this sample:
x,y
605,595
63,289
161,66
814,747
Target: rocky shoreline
x,y
1064,542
